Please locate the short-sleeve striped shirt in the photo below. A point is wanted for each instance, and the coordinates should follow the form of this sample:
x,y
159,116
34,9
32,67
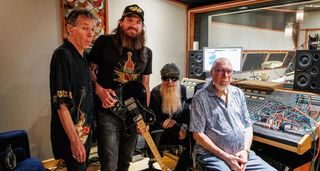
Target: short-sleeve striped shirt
x,y
223,124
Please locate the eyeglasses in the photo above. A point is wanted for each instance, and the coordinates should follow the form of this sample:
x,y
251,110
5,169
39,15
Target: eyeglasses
x,y
170,78
223,71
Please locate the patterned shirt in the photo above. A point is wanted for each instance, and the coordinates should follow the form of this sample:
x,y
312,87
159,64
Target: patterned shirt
x,y
223,124
70,84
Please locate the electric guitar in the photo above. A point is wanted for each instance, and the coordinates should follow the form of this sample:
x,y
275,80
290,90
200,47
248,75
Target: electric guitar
x,y
131,107
136,90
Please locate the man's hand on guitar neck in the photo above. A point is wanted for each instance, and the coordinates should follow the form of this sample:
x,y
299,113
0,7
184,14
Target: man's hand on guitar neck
x,y
106,96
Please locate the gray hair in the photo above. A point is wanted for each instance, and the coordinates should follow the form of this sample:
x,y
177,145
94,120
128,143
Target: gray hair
x,y
74,14
219,60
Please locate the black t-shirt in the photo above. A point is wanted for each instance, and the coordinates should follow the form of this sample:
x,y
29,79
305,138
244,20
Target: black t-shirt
x,y
116,67
70,84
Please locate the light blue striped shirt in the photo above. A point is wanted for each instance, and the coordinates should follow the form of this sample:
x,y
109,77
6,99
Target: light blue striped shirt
x,y
225,126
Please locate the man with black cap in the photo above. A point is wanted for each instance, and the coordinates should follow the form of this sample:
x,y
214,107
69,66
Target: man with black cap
x,y
116,59
166,101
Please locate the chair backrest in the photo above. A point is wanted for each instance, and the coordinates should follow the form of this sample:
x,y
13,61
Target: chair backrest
x,y
199,86
156,136
19,143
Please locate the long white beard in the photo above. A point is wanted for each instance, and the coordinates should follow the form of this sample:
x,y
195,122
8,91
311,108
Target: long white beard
x,y
171,102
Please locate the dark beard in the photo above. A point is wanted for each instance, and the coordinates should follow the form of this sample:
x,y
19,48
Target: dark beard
x,y
136,42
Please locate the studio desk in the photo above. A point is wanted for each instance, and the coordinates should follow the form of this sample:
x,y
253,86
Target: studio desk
x,y
282,117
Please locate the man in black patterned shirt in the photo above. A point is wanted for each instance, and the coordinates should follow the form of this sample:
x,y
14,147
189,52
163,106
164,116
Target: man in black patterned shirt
x,y
71,93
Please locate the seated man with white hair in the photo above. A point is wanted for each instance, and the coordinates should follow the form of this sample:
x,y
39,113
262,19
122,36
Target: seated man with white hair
x,y
221,125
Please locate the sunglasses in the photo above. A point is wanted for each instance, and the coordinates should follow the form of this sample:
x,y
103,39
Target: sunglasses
x,y
170,78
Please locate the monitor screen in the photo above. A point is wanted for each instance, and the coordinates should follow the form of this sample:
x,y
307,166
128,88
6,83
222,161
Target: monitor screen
x,y
234,54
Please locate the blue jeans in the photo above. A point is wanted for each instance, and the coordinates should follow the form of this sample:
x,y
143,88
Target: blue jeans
x,y
211,163
115,144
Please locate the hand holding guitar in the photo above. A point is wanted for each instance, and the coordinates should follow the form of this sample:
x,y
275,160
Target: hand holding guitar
x,y
106,96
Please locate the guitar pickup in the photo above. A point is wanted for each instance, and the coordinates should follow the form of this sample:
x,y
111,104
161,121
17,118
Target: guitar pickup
x,y
133,107
129,101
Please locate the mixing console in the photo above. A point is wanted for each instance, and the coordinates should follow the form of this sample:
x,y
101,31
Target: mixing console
x,y
190,84
282,116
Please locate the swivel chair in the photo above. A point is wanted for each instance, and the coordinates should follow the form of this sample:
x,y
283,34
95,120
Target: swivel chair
x,y
199,86
196,165
156,136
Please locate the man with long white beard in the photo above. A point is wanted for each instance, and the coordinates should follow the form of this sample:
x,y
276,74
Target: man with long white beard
x,y
166,101
221,125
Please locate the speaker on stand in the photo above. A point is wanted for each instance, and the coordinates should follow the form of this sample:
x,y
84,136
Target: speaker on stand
x,y
307,71
195,65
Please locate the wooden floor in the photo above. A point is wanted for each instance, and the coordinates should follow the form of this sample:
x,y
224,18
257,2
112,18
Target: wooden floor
x,y
169,159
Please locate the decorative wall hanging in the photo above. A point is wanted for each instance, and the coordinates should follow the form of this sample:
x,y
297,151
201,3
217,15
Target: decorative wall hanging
x,y
97,7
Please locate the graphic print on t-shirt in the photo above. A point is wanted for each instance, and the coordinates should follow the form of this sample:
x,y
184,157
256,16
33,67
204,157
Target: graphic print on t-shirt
x,y
127,72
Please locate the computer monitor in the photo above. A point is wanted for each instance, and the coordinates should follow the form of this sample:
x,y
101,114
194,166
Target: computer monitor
x,y
234,54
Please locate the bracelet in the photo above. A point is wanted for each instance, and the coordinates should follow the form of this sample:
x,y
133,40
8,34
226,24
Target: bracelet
x,y
184,126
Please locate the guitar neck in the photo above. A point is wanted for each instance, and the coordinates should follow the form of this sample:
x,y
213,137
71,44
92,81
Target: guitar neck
x,y
146,135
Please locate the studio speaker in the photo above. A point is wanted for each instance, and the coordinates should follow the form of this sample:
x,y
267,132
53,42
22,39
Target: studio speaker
x,y
195,64
307,72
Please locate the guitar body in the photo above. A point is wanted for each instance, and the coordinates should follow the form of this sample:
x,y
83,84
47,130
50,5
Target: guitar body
x,y
132,109
137,91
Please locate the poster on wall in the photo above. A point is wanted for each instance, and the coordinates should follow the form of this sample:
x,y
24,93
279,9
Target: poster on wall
x,y
97,7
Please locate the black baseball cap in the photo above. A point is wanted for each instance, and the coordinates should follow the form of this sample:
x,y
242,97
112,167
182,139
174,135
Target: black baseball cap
x,y
133,9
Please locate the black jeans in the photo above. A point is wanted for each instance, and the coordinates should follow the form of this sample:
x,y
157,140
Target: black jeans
x,y
115,145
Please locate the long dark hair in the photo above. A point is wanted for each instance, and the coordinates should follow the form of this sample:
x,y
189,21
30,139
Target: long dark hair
x,y
137,43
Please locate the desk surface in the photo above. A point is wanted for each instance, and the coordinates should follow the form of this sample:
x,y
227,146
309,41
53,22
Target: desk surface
x,y
269,136
270,85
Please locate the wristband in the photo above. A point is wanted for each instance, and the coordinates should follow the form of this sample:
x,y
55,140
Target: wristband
x,y
184,126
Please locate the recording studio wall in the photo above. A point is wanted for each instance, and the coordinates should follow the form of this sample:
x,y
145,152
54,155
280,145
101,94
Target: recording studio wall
x,y
307,72
195,64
